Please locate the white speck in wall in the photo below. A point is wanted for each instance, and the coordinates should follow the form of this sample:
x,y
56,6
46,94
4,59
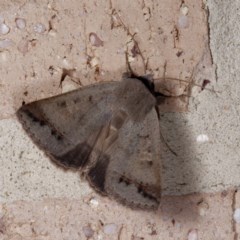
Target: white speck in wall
x,y
236,215
184,9
94,202
110,228
39,28
6,43
203,208
202,138
183,22
21,23
4,29
94,62
99,237
65,63
193,234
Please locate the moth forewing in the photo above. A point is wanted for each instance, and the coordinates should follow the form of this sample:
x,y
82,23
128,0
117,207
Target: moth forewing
x,y
103,130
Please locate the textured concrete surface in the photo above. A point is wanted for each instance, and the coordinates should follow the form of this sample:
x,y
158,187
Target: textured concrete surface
x,y
177,40
190,217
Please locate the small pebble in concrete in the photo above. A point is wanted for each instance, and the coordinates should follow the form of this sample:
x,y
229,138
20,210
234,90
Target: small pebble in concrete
x,y
5,43
20,22
66,63
88,232
183,22
39,28
236,215
94,62
184,9
52,33
99,237
95,40
203,208
68,85
202,138
193,234
4,29
116,21
93,202
23,46
110,229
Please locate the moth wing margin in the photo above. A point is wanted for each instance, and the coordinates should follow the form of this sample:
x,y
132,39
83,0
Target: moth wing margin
x,y
66,126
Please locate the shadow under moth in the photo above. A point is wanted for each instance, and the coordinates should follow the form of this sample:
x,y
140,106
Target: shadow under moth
x,y
109,132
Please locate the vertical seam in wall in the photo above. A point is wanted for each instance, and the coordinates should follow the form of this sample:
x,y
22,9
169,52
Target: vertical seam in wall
x,y
209,41
235,234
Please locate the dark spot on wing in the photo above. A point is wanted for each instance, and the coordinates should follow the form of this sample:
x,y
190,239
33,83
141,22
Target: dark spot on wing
x,y
125,180
77,157
90,98
118,119
62,104
76,100
150,163
31,115
53,132
140,188
146,194
59,137
42,123
56,134
97,174
38,120
143,136
120,180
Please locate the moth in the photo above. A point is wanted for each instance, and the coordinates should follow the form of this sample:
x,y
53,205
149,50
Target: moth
x,y
109,132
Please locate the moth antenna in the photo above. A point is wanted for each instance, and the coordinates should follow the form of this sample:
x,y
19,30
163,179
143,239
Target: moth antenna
x,y
170,149
157,111
189,87
133,74
129,68
149,84
185,81
136,45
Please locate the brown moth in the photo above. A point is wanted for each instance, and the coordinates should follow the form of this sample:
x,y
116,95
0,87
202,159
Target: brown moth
x,y
109,132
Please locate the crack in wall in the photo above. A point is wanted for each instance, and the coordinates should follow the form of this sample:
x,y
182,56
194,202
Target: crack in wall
x,y
234,224
209,42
